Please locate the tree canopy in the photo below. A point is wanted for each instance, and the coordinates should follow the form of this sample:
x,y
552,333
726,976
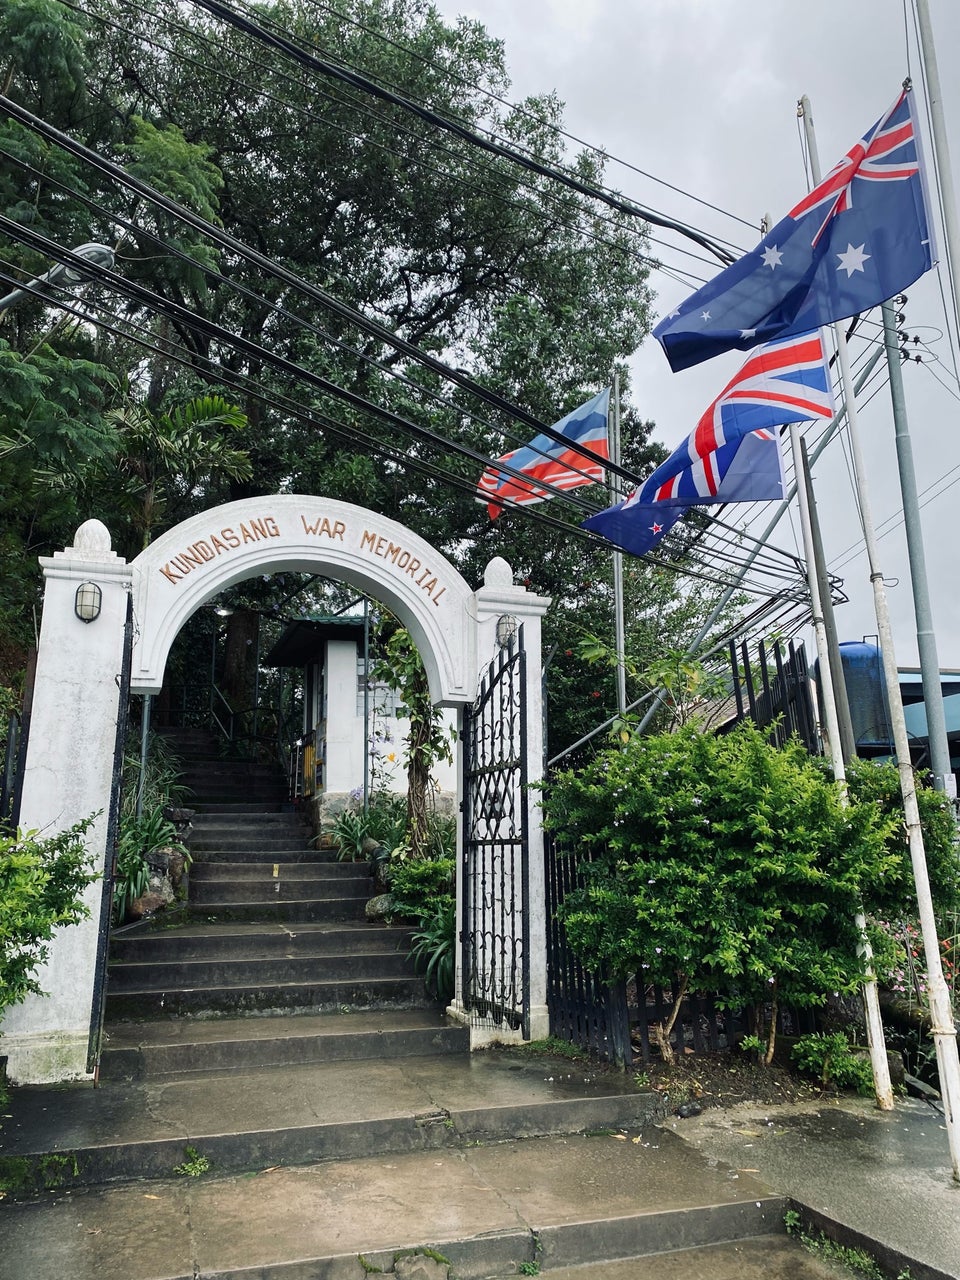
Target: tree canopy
x,y
534,291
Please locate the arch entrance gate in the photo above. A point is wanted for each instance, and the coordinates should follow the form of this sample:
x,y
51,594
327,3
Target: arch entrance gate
x,y
70,768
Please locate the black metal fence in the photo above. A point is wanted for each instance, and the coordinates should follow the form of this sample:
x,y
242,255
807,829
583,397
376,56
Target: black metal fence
x,y
13,756
773,691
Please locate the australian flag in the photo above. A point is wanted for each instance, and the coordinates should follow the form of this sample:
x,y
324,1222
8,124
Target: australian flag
x,y
548,462
857,239
733,455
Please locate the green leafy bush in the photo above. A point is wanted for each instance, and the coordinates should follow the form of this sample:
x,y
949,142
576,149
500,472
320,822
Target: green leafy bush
x,y
387,819
350,829
42,881
719,864
419,886
832,1060
156,786
879,783
434,947
137,838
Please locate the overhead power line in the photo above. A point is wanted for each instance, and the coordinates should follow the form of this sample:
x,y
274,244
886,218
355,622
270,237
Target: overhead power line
x,y
521,110
273,308
262,262
716,554
347,76
211,330
218,72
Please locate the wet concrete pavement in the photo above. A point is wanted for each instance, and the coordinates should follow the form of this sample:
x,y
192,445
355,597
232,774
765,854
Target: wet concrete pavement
x,y
884,1175
559,1200
492,1160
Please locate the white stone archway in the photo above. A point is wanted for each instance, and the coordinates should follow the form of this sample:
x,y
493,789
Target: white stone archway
x,y
69,768
290,532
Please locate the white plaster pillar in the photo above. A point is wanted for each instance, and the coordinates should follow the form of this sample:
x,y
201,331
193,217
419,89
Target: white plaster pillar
x,y
501,597
343,770
68,775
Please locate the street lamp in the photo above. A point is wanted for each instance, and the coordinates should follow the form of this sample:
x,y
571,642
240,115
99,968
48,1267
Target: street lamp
x,y
62,275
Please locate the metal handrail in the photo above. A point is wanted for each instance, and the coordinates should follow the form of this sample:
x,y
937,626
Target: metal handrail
x,y
230,716
8,785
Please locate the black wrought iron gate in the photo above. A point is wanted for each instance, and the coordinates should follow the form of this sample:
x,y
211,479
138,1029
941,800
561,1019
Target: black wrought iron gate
x,y
495,933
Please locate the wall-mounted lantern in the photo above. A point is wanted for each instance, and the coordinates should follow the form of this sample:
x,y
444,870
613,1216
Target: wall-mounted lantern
x,y
506,630
87,602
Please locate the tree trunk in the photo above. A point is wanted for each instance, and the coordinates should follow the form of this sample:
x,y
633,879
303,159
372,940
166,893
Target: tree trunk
x,y
772,1034
239,674
418,782
662,1030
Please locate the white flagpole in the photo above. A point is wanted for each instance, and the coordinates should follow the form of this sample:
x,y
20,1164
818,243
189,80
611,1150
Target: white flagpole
x,y
941,149
942,1026
882,1086
614,436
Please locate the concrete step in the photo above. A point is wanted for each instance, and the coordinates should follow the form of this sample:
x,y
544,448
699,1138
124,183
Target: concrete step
x,y
296,1115
204,821
248,841
305,867
292,886
157,1050
268,871
235,941
278,908
256,853
487,1209
240,807
762,1257
347,993
262,797
300,970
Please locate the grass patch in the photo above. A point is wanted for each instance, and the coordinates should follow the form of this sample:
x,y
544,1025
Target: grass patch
x,y
553,1045
194,1166
20,1175
854,1259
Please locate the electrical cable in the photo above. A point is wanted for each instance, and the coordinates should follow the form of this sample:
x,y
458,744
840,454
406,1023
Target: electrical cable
x,y
51,250
225,240
325,67
353,435
275,308
207,69
521,110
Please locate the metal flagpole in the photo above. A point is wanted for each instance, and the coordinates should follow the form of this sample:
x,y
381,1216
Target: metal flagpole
x,y
848,745
926,637
941,149
614,433
942,1026
871,995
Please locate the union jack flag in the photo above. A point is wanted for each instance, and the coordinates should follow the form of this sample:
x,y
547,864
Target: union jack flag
x,y
861,236
733,453
547,464
893,135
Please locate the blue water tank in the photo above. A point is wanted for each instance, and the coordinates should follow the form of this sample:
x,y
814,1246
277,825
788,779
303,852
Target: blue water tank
x,y
862,666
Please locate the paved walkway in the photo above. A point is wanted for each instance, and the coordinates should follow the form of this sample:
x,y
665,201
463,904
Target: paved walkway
x,y
884,1175
493,1161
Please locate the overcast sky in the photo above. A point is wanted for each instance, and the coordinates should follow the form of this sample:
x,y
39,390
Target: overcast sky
x,y
702,94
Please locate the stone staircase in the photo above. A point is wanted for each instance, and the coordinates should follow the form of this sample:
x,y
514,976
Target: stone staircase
x,y
279,1100
273,952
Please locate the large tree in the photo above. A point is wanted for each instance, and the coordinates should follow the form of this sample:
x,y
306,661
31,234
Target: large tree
x,y
534,291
